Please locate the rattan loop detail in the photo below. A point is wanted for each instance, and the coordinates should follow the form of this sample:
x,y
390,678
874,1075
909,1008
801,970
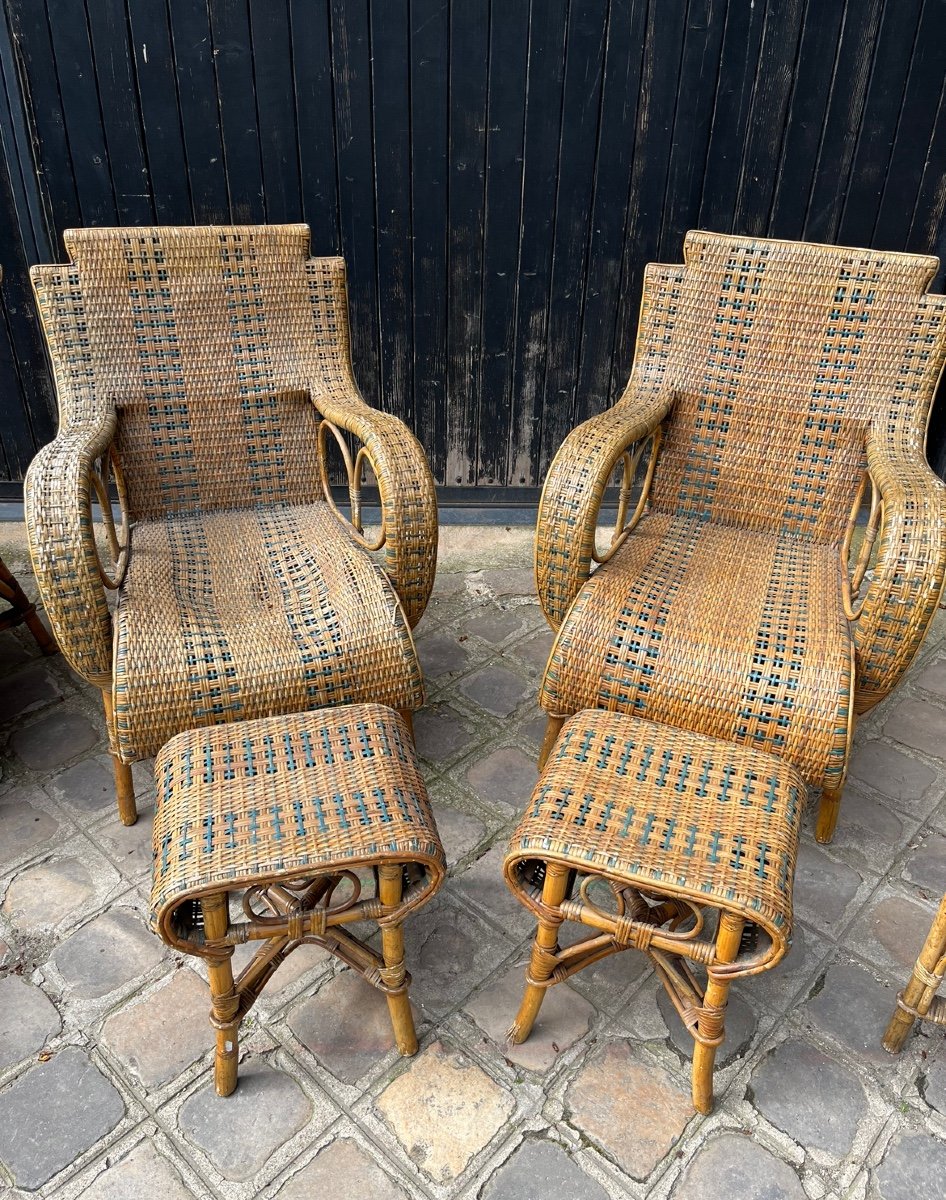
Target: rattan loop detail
x,y
631,460
354,471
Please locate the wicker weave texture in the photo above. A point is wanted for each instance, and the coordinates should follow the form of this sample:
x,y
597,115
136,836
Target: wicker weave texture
x,y
232,615
197,354
765,661
671,812
286,798
781,373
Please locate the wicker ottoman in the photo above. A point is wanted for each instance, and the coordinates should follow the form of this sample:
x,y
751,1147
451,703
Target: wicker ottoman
x,y
635,830
320,820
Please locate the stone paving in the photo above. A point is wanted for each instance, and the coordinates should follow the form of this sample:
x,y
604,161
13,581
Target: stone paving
x,y
105,1048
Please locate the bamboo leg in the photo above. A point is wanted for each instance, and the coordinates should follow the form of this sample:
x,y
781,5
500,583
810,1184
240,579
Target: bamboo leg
x,y
124,784
919,992
712,1017
225,1000
540,965
44,639
552,729
390,887
408,718
828,811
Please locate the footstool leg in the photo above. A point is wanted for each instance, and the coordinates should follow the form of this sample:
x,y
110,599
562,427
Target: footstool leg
x,y
917,996
711,1019
224,998
540,965
390,887
553,727
828,811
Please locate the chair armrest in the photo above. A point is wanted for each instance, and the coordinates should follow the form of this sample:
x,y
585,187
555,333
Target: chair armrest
x,y
907,582
61,537
406,486
575,485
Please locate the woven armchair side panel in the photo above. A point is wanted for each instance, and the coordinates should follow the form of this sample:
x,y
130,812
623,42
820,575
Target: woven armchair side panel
x,y
785,354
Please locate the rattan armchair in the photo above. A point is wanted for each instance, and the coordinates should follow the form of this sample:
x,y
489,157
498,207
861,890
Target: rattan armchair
x,y
204,374
775,386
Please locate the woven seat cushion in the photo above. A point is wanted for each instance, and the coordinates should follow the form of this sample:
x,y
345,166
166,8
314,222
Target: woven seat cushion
x,y
285,797
730,632
670,812
236,614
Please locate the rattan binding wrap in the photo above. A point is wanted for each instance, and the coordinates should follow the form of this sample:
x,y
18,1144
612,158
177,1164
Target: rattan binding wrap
x,y
670,813
781,373
286,798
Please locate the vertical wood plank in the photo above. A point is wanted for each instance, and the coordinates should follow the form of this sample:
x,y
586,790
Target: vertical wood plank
x,y
429,164
315,112
506,103
114,78
271,38
587,28
160,111
546,73
616,148
878,128
354,148
469,77
239,121
29,27
199,112
660,77
390,90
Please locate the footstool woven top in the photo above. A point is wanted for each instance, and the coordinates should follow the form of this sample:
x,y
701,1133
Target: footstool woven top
x,y
686,815
285,797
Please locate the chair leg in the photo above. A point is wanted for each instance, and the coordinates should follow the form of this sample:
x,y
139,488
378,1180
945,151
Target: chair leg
x,y
124,784
223,1015
713,1013
828,811
919,992
408,718
390,887
553,728
541,964
44,639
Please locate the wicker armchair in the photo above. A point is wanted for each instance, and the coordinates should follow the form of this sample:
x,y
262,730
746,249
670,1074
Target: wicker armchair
x,y
189,365
774,385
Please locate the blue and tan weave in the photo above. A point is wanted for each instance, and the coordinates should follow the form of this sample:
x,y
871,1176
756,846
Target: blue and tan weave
x,y
671,814
286,798
780,373
204,359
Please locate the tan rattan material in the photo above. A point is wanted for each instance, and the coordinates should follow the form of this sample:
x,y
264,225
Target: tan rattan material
x,y
920,1000
292,812
191,366
636,828
779,375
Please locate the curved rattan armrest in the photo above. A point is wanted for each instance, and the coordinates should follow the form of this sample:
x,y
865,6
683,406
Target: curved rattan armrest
x,y
574,487
406,487
907,582
62,546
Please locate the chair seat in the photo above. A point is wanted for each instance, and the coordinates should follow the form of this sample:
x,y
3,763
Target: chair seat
x,y
736,634
669,812
237,614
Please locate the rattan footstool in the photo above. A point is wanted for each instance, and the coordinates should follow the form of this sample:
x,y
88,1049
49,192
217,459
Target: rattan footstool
x,y
636,829
298,813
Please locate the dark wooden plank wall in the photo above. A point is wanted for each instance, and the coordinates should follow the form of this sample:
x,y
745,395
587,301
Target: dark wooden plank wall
x,y
496,172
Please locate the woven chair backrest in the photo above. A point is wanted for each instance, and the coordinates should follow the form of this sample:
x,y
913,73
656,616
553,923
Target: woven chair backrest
x,y
783,356
207,343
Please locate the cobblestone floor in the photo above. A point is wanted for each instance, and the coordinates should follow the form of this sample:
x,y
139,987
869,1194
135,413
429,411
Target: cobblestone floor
x,y
105,1088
